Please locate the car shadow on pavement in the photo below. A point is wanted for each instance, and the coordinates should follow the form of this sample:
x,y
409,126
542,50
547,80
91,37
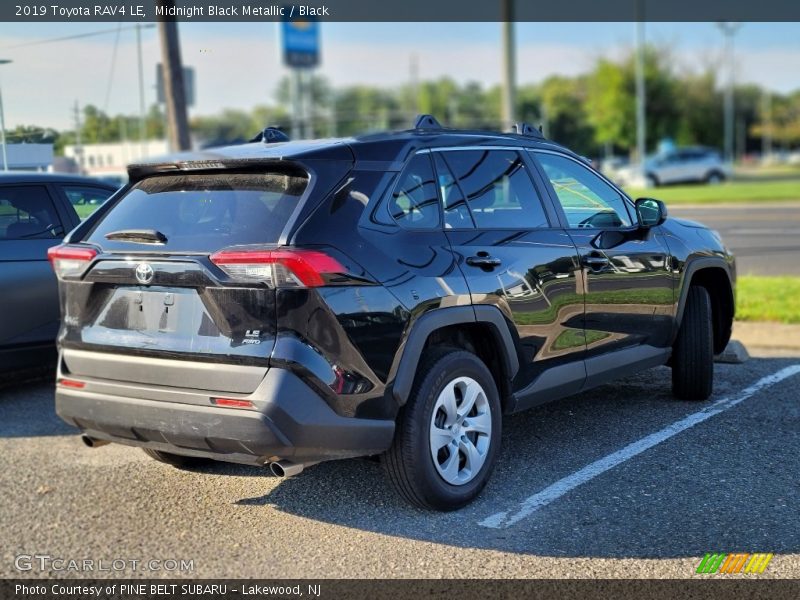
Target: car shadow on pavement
x,y
28,410
725,485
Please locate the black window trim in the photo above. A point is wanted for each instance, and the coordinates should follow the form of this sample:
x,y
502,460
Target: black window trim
x,y
533,175
627,202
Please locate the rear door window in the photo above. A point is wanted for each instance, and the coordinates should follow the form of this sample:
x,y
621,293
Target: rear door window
x,y
456,213
27,212
498,188
205,212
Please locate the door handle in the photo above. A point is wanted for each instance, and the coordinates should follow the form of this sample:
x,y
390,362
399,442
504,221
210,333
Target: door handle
x,y
595,262
483,261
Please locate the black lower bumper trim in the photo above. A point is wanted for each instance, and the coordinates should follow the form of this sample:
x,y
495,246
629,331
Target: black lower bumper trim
x,y
293,423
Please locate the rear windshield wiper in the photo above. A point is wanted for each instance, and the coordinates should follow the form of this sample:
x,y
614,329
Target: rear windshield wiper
x,y
140,236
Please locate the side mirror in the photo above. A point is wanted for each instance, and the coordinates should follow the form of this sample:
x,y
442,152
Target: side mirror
x,y
650,212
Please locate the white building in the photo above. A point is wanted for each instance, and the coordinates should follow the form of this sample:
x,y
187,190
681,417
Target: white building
x,y
112,160
28,157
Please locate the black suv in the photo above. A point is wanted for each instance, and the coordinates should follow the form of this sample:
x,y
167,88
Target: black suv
x,y
393,294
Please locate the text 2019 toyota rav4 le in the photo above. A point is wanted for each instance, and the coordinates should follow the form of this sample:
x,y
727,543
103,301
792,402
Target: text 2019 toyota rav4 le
x,y
393,294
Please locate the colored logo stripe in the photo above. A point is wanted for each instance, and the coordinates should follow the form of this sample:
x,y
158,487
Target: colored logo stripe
x,y
710,563
734,563
758,563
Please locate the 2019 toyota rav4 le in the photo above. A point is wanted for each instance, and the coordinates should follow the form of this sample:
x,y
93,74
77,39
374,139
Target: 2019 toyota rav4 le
x,y
394,294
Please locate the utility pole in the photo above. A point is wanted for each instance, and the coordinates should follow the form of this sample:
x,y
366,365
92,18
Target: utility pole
x,y
78,147
766,119
296,100
413,78
3,124
308,104
142,126
174,94
729,30
641,107
509,64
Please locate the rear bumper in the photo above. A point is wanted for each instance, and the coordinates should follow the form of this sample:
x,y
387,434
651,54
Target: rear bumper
x,y
290,421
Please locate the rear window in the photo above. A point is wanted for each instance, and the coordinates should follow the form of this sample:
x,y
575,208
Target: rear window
x,y
204,212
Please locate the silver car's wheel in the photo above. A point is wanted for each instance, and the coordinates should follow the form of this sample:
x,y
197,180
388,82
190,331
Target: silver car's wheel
x,y
460,431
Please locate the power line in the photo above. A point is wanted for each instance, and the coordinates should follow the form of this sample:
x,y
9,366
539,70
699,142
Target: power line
x,y
75,37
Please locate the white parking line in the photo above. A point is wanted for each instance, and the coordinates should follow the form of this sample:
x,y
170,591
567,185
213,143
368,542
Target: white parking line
x,y
553,492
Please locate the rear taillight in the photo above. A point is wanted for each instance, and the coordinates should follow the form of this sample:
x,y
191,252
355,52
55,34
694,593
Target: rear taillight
x,y
278,268
69,261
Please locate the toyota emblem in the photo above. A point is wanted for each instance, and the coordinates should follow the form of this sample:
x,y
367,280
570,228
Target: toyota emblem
x,y
144,273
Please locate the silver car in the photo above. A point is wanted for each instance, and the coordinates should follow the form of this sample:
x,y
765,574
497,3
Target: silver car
x,y
682,165
36,211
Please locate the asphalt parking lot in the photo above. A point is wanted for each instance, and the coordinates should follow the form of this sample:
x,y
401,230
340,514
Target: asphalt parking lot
x,y
763,235
622,481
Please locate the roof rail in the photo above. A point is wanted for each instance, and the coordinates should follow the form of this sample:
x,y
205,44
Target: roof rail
x,y
426,122
527,129
270,135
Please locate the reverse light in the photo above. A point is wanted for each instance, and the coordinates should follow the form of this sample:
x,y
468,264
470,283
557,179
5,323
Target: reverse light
x,y
69,261
232,402
278,268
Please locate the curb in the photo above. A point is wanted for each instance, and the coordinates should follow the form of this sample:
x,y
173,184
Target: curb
x,y
767,335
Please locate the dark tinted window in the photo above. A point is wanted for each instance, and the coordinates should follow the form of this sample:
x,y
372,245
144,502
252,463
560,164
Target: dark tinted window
x,y
414,203
587,200
499,190
205,212
85,200
27,212
456,213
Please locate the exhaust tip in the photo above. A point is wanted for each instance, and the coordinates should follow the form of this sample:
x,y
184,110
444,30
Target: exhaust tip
x,y
91,442
285,468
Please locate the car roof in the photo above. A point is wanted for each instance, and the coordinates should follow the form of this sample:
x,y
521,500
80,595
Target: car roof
x,y
40,177
381,150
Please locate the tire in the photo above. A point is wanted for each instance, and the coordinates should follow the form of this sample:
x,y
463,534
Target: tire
x,y
418,475
693,351
652,180
176,460
714,178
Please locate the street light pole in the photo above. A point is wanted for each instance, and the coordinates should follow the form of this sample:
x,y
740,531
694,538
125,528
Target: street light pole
x,y
3,124
509,63
142,125
641,119
729,29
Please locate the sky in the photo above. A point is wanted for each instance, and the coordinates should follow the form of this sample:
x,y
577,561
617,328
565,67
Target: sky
x,y
237,65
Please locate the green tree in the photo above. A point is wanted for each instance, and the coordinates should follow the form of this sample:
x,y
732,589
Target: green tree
x,y
563,111
700,109
362,108
783,124
31,134
611,99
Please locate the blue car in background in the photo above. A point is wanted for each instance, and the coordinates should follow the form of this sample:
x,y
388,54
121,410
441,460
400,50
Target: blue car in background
x,y
36,212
